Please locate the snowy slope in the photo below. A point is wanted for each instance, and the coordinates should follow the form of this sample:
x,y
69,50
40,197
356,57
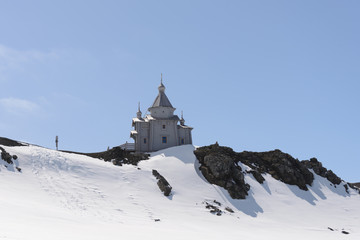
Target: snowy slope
x,y
67,196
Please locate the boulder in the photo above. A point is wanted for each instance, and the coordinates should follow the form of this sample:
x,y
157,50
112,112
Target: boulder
x,y
219,168
162,183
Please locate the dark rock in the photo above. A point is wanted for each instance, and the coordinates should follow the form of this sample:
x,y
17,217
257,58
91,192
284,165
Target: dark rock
x,y
10,143
344,232
257,176
330,229
229,210
355,186
6,156
332,177
218,203
14,157
218,164
314,164
117,156
213,209
162,183
218,167
279,165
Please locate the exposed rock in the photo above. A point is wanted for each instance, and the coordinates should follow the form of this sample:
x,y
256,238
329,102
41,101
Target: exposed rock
x,y
117,156
344,232
355,186
213,209
9,142
6,156
218,167
218,203
314,164
14,157
280,165
229,210
162,183
257,176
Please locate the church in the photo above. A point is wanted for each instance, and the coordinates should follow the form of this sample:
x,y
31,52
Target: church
x,y
161,128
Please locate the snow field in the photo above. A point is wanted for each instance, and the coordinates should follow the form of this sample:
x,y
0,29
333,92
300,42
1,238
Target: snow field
x,y
66,196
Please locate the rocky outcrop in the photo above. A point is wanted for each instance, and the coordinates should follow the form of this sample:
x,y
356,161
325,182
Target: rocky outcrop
x,y
9,142
355,185
279,165
10,160
117,156
257,176
218,167
162,183
315,165
6,156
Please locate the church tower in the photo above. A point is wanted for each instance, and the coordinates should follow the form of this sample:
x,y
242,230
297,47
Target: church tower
x,y
159,129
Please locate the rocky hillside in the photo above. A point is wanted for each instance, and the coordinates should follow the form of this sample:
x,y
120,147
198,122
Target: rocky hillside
x,y
220,166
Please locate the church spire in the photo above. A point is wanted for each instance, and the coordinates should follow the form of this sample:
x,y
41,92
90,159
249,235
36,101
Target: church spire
x,y
161,87
139,113
182,120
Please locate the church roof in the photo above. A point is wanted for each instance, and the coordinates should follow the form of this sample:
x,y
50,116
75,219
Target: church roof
x,y
162,100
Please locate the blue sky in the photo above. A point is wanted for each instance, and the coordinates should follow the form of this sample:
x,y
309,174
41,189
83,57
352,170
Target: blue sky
x,y
252,75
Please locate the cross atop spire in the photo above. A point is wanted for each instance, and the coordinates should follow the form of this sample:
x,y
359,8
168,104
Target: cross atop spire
x,y
161,79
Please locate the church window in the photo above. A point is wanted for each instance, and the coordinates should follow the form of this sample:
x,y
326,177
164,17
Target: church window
x,y
182,141
144,140
164,139
163,126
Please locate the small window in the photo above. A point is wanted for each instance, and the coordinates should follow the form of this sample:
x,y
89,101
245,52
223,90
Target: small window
x,y
164,139
182,141
144,140
164,126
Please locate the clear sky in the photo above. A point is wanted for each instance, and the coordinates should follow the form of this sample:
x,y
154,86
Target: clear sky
x,y
252,75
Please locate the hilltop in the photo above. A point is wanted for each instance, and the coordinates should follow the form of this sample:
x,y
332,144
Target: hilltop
x,y
59,195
